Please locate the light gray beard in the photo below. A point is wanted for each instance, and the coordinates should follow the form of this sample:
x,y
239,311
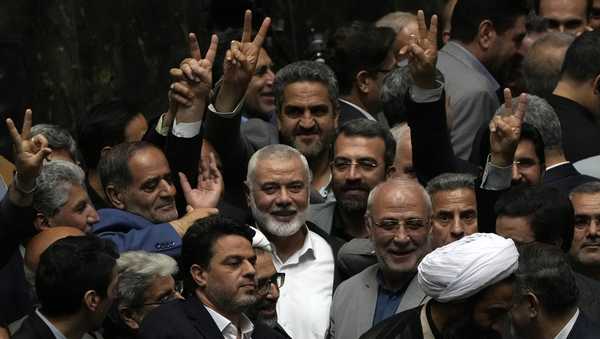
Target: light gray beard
x,y
265,222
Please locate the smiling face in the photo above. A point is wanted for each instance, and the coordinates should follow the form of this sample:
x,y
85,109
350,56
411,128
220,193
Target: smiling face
x,y
264,310
259,95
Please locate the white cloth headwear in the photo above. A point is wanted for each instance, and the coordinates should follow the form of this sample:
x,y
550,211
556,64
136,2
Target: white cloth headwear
x,y
466,266
260,241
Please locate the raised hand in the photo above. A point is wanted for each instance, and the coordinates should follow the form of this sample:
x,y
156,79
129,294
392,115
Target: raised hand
x,y
505,130
210,185
29,153
422,52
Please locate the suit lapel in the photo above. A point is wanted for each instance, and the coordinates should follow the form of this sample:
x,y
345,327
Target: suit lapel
x,y
201,319
413,296
367,300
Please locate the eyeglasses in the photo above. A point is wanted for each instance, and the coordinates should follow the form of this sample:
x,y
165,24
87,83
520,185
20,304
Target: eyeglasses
x,y
392,225
365,165
175,294
525,163
263,286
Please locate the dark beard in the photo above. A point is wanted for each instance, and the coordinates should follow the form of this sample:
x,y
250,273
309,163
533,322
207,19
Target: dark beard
x,y
467,329
353,206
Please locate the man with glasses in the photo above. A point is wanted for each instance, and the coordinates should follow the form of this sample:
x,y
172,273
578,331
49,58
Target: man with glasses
x,y
398,221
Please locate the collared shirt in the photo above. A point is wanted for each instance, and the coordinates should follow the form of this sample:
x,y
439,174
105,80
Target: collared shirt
x,y
564,333
387,300
305,298
55,332
228,329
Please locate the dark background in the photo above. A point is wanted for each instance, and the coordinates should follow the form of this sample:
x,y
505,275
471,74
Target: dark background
x,y
60,56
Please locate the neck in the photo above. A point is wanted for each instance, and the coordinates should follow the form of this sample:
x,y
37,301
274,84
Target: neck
x,y
550,325
234,317
287,246
442,314
321,170
395,281
576,92
554,157
353,222
94,180
72,327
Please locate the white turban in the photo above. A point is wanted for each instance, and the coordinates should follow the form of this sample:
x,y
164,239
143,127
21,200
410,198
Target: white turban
x,y
464,267
260,241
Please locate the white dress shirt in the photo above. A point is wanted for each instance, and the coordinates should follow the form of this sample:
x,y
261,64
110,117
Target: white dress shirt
x,y
228,329
564,333
305,297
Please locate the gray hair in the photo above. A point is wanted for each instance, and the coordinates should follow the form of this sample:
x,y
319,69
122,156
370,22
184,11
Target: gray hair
x,y
592,187
311,71
450,182
400,184
542,66
58,138
137,271
277,152
53,186
394,90
542,116
396,20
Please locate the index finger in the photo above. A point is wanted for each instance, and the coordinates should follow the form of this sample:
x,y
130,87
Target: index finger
x,y
247,33
212,50
194,47
262,32
521,107
26,131
433,29
508,101
422,25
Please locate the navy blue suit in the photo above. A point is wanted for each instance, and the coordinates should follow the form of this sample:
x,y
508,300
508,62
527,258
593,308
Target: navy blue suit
x,y
131,232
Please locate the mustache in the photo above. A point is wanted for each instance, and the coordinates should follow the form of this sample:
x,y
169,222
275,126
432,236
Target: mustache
x,y
595,242
356,186
307,131
283,209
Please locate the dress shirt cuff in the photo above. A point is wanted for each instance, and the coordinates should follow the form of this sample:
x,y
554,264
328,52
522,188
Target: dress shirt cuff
x,y
230,115
422,95
186,129
496,178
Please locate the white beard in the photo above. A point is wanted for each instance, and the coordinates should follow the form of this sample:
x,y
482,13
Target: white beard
x,y
270,225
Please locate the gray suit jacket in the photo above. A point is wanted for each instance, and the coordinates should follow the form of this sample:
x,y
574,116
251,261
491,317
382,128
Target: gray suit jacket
x,y
354,302
471,90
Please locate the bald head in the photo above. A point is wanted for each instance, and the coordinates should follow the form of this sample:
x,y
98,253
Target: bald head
x,y
400,191
39,243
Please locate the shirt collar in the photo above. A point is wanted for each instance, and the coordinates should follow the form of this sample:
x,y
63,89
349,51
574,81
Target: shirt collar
x,y
358,108
564,333
474,62
305,252
57,334
225,325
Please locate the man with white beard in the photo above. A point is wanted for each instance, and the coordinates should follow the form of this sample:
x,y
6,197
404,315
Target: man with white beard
x,y
278,190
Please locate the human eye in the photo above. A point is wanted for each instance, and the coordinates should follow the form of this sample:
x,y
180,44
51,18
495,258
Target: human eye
x,y
293,112
150,185
341,164
388,224
444,217
367,164
296,187
415,224
468,216
582,221
270,188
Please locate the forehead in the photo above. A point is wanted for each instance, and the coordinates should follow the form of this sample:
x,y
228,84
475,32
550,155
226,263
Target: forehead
x,y
264,265
76,194
400,201
563,8
232,245
526,149
359,146
462,197
498,295
585,203
516,228
148,162
306,93
279,170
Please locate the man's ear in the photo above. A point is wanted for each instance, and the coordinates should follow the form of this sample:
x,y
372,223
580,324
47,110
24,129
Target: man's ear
x,y
596,85
91,300
486,35
40,222
247,191
199,275
533,305
128,317
114,197
363,82
368,225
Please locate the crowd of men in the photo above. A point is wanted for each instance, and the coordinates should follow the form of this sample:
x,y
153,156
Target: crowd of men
x,y
437,177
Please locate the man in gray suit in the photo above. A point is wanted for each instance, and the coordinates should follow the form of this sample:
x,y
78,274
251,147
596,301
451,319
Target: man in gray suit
x,y
485,38
398,220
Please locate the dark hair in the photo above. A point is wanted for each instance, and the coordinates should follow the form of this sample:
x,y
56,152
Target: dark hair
x,y
102,125
549,211
200,238
581,60
370,129
356,47
588,7
528,132
545,272
69,268
113,167
468,15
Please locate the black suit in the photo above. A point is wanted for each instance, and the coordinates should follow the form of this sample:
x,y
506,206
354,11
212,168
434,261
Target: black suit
x,y
565,178
580,131
584,328
16,225
589,298
33,328
183,319
348,112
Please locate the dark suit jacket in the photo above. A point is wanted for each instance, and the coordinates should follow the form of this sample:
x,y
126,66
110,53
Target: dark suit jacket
x,y
33,328
589,298
16,224
183,319
565,178
584,328
348,113
579,129
405,325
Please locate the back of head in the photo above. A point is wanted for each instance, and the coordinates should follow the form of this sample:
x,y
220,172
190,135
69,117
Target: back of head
x,y
545,272
393,94
41,241
113,167
549,211
450,182
396,20
543,62
468,15
102,125
359,46
541,115
71,267
371,129
305,71
58,139
581,60
54,184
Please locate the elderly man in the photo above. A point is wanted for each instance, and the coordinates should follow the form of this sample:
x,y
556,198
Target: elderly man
x,y
61,198
470,283
137,181
565,15
398,219
454,207
585,250
546,296
60,141
218,261
278,186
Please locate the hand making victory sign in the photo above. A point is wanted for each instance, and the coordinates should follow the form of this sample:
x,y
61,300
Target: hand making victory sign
x,y
505,130
422,52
